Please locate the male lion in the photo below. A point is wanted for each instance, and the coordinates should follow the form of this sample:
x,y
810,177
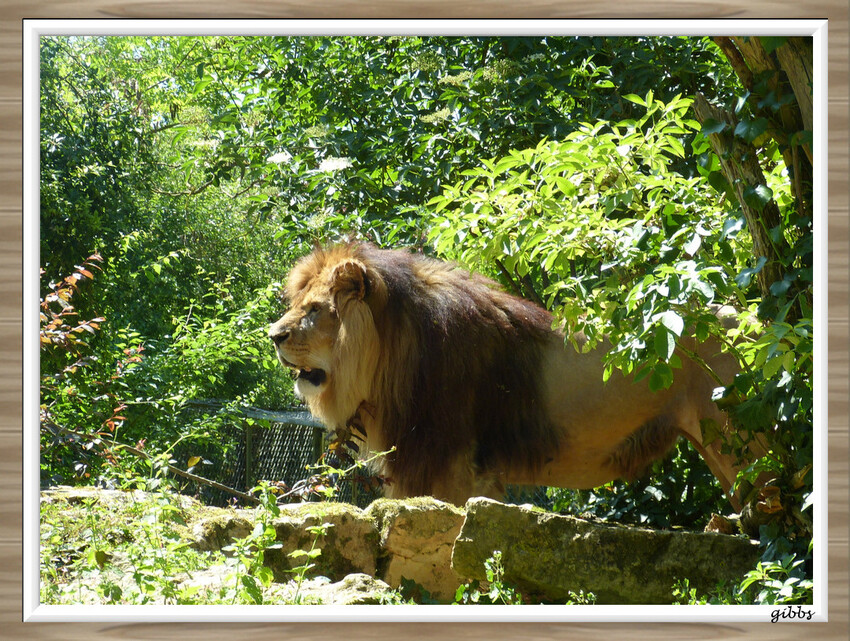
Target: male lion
x,y
471,385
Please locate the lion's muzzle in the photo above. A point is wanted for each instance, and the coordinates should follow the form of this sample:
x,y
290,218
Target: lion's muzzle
x,y
279,335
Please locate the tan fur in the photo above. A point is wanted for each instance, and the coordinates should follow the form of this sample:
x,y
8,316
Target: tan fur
x,y
472,386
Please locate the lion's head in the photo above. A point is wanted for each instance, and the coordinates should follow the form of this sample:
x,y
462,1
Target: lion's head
x,y
328,336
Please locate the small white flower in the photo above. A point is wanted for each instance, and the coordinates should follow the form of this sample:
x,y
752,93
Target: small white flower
x,y
334,164
282,156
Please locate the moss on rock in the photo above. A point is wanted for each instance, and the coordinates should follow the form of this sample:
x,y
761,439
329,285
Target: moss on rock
x,y
548,555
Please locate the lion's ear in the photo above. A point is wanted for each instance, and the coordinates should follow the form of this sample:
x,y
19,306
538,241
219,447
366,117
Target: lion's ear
x,y
349,280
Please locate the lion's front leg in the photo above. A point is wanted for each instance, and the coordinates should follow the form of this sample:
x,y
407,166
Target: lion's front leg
x,y
453,483
462,480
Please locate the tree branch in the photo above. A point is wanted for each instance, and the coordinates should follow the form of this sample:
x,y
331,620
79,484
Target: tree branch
x,y
174,470
512,284
193,477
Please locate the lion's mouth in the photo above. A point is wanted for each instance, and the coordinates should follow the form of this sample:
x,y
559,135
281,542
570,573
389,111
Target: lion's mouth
x,y
313,376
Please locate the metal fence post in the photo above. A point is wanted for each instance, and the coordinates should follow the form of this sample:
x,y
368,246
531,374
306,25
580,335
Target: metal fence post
x,y
318,443
249,455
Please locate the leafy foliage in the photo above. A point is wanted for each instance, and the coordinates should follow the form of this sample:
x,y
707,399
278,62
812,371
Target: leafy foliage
x,y
82,547
625,247
605,223
75,388
781,582
498,592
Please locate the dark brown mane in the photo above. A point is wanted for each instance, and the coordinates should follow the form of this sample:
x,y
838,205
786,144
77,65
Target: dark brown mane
x,y
465,362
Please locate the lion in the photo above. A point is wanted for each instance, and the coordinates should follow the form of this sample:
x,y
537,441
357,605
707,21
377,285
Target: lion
x,y
474,387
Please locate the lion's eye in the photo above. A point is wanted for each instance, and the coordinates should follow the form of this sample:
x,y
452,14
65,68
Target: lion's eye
x,y
315,307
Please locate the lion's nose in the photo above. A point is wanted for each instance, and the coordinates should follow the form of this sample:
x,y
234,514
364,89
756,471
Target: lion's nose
x,y
278,336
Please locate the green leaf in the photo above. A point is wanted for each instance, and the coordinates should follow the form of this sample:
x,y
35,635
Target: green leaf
x,y
264,575
693,245
665,343
771,43
746,276
758,197
750,129
673,322
635,99
676,147
201,85
731,226
661,378
789,361
741,102
249,583
718,180
712,126
98,557
781,287
772,366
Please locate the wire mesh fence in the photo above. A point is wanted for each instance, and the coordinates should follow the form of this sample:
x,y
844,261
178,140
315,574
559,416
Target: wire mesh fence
x,y
253,445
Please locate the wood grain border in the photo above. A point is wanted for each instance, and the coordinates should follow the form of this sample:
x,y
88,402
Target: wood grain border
x,y
11,308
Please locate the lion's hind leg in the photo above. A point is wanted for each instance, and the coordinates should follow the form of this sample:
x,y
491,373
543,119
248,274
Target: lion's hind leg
x,y
725,467
655,439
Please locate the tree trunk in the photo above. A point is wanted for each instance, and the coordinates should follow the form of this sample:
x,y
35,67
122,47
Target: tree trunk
x,y
739,161
786,73
778,79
